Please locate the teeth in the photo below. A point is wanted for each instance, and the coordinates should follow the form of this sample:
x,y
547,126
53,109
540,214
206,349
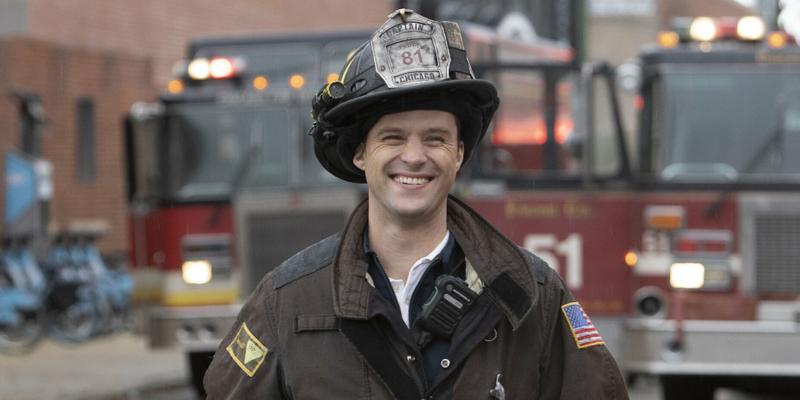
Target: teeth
x,y
407,180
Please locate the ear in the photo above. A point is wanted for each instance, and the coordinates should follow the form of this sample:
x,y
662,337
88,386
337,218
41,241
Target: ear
x,y
460,154
358,157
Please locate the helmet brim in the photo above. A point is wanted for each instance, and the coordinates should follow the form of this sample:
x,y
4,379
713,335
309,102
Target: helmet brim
x,y
482,92
473,102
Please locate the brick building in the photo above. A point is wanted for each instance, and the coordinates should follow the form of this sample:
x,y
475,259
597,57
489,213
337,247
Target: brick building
x,y
159,29
90,60
99,85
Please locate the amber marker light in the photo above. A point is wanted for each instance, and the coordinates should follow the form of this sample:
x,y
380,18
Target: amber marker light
x,y
776,40
297,81
665,222
332,77
668,39
260,83
631,258
665,217
175,86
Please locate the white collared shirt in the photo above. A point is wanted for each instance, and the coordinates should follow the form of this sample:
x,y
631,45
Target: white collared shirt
x,y
404,290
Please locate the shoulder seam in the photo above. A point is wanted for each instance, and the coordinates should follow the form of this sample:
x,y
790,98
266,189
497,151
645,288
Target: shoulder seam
x,y
306,262
541,270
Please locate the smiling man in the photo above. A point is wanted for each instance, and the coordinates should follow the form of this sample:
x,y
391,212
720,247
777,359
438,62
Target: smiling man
x,y
418,297
410,160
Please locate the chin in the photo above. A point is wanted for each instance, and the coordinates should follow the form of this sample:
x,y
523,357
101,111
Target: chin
x,y
410,211
417,208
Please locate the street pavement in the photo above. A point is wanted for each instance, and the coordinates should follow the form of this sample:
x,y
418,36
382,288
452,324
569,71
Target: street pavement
x,y
122,367
117,364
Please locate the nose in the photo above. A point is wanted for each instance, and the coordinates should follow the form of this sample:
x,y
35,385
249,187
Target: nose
x,y
413,152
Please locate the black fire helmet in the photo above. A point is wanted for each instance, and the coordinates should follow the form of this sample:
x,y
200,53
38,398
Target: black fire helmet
x,y
410,63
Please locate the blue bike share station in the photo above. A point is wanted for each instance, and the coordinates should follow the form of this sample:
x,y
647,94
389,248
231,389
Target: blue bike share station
x,y
54,285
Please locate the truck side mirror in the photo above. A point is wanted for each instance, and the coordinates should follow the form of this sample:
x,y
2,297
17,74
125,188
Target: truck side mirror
x,y
602,145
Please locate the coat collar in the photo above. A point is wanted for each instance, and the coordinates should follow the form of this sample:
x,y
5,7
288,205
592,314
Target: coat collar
x,y
499,263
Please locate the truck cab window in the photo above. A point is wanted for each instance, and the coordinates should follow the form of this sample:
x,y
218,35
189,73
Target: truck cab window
x,y
521,141
727,125
205,163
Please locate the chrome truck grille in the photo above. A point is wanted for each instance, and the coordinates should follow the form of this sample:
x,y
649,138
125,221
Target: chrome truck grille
x,y
273,226
777,253
770,243
276,237
214,248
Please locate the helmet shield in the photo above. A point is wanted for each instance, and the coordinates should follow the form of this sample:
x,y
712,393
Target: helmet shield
x,y
410,63
412,52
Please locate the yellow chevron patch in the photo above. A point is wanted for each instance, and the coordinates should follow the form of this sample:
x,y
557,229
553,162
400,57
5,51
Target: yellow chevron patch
x,y
247,351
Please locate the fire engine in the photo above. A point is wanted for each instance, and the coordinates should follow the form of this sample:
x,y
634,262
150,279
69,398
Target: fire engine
x,y
683,255
223,183
695,244
686,254
715,211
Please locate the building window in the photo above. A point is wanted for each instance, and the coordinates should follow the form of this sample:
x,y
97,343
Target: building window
x,y
86,141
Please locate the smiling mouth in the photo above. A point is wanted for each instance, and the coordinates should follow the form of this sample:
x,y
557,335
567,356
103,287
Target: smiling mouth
x,y
408,180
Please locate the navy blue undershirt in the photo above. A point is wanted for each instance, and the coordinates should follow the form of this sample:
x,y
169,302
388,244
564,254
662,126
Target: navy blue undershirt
x,y
449,261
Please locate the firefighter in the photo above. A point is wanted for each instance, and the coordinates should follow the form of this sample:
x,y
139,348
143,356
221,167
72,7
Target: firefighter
x,y
418,297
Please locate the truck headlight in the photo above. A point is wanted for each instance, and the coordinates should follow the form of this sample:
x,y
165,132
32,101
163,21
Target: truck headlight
x,y
703,29
686,275
196,272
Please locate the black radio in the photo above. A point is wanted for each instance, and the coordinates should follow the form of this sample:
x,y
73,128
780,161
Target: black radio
x,y
443,311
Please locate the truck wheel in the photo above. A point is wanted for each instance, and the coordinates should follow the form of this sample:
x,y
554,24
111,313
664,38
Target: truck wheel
x,y
687,388
198,364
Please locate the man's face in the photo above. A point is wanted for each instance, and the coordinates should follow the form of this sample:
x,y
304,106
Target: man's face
x,y
410,160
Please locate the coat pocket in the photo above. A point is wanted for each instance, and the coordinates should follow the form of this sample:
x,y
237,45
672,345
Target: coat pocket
x,y
321,363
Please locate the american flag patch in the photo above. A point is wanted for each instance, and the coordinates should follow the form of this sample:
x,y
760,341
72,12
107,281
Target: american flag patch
x,y
583,330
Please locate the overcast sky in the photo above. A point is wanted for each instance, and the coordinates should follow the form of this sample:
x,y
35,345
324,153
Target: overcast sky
x,y
789,18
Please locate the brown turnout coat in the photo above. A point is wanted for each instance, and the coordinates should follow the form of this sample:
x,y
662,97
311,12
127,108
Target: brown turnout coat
x,y
313,330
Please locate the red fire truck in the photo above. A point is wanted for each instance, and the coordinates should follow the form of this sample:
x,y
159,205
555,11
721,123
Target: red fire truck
x,y
683,255
694,241
223,182
719,209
